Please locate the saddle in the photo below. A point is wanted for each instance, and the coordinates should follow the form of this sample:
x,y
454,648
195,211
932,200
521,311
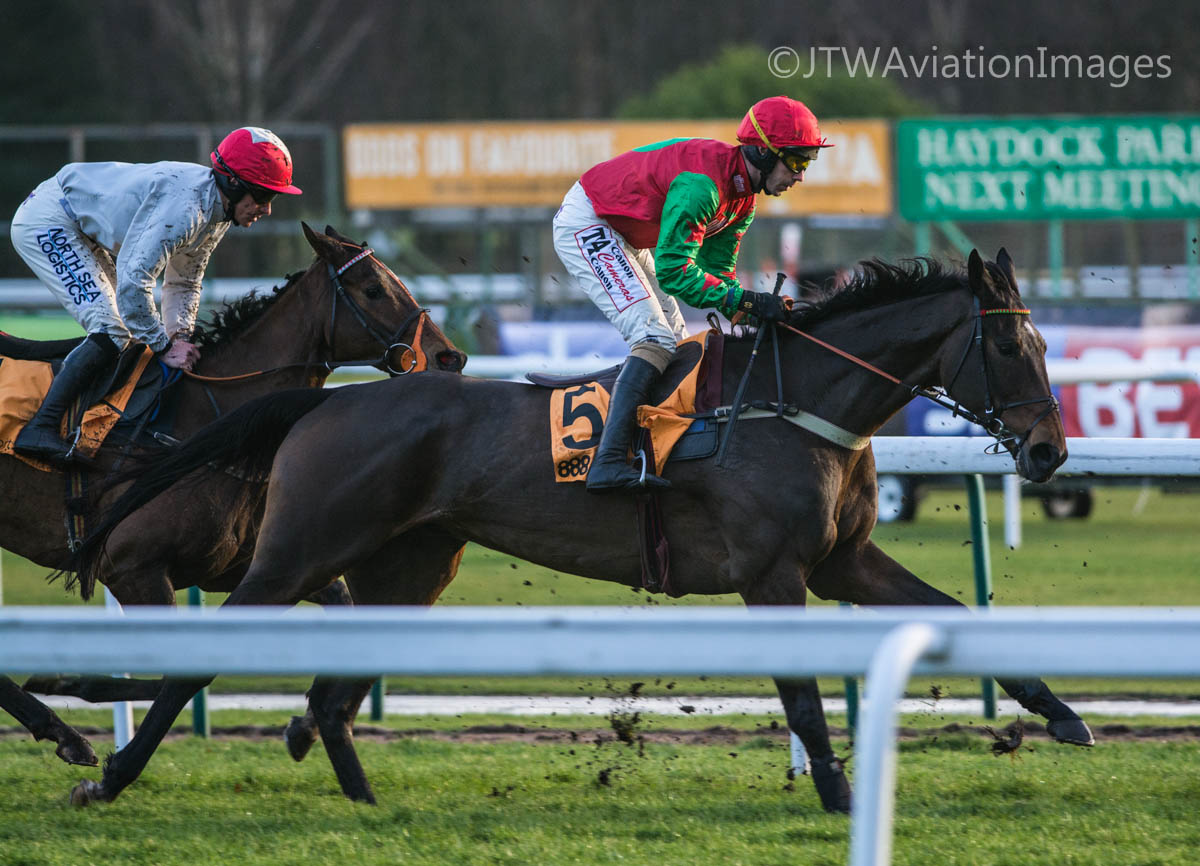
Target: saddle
x,y
129,394
579,405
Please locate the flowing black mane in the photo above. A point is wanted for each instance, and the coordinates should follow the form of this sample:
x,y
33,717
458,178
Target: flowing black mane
x,y
876,283
234,317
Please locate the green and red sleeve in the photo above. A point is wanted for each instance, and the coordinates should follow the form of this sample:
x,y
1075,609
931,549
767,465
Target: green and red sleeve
x,y
698,272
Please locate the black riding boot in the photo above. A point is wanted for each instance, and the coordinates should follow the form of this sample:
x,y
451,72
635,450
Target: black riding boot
x,y
40,437
611,470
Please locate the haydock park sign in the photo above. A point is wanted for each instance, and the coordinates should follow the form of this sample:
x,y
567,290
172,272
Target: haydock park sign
x,y
494,164
1039,168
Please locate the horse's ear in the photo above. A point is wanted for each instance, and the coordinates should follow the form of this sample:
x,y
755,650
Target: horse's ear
x,y
325,247
1005,262
976,274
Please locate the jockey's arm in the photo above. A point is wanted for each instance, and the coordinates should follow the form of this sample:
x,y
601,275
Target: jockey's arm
x,y
719,253
155,235
182,285
681,265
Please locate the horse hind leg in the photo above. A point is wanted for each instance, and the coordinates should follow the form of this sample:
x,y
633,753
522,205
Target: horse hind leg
x,y
428,560
866,575
44,724
301,732
122,768
334,703
95,690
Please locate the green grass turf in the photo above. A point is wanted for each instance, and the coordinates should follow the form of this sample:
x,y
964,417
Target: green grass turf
x,y
236,801
40,325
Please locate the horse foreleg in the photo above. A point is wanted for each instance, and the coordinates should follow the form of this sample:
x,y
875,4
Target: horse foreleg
x,y
806,719
42,722
1062,722
301,732
802,701
864,574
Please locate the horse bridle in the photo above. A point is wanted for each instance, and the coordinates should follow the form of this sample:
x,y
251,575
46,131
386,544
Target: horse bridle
x,y
390,343
990,420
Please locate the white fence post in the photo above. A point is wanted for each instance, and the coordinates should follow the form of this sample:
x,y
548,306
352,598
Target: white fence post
x,y
875,782
1012,511
122,710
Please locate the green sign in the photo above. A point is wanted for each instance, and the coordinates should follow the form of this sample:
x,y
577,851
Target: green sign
x,y
1039,168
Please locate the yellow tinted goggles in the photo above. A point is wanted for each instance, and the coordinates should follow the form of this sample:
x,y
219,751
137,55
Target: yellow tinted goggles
x,y
795,162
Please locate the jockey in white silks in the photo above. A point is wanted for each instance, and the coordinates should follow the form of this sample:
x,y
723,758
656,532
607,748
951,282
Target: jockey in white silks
x,y
100,234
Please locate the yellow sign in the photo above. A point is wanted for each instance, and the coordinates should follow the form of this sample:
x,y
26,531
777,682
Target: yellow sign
x,y
427,165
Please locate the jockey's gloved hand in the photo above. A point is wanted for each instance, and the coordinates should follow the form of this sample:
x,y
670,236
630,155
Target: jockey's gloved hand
x,y
180,354
764,306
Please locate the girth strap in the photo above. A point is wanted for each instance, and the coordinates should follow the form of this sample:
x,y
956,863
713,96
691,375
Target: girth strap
x,y
793,415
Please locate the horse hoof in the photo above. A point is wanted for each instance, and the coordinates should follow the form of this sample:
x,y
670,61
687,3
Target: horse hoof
x,y
77,751
832,785
86,793
299,736
1074,732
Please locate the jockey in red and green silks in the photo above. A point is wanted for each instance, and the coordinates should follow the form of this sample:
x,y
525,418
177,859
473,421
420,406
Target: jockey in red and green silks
x,y
662,224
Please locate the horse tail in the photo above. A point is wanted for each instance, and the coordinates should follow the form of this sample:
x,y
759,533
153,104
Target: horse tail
x,y
242,443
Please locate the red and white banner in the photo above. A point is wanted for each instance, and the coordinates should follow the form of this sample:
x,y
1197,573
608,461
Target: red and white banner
x,y
1139,409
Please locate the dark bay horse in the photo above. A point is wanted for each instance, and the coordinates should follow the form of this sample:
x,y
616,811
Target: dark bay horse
x,y
383,482
328,315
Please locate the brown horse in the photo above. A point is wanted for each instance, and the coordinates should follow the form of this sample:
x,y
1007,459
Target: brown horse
x,y
327,316
425,463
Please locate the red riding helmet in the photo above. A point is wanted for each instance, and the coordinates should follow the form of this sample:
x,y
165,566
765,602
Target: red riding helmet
x,y
778,122
257,157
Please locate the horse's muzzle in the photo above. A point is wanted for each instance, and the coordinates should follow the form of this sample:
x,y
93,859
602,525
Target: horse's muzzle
x,y
1038,462
450,360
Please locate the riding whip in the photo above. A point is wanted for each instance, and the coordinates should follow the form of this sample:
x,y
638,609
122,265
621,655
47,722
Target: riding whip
x,y
736,409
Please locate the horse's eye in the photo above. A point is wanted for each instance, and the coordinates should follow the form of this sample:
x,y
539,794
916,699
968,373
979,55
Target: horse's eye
x,y
374,292
1006,348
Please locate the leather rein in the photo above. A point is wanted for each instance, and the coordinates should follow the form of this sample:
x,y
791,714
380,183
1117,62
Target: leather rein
x,y
990,419
420,314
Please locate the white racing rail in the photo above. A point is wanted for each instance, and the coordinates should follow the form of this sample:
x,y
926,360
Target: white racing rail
x,y
889,645
1102,457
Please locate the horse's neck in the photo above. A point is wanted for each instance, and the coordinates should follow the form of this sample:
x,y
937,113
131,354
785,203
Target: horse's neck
x,y
905,339
287,337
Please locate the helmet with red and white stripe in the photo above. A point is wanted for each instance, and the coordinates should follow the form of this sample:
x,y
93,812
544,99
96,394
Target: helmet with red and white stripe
x,y
255,157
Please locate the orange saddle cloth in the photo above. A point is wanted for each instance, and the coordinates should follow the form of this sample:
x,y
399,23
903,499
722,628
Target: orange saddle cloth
x,y
23,385
578,412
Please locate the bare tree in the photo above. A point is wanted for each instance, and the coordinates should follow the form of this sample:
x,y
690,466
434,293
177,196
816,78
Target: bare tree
x,y
252,59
